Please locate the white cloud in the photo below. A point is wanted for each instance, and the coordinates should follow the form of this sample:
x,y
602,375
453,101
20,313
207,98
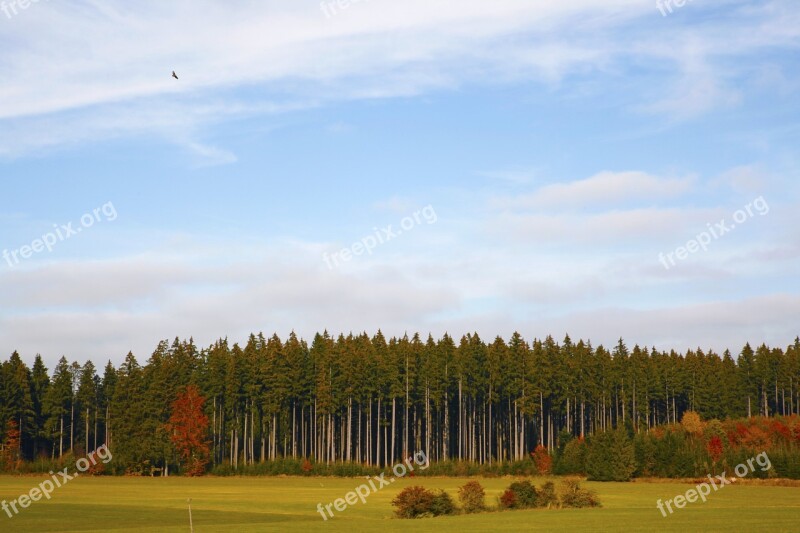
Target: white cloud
x,y
605,189
744,179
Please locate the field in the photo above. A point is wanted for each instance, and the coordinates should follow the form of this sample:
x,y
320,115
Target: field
x,y
289,504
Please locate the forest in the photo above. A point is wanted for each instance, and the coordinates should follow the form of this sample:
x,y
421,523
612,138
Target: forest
x,y
365,400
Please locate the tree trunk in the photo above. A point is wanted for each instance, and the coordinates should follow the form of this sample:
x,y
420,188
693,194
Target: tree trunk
x,y
378,436
393,430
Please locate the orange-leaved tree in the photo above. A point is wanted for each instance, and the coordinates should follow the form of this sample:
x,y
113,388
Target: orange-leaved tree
x,y
692,423
11,456
543,461
188,427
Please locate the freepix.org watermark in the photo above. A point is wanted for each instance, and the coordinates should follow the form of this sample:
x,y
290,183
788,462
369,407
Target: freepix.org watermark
x,y
60,233
329,6
704,239
665,6
59,479
363,491
717,482
380,236
10,8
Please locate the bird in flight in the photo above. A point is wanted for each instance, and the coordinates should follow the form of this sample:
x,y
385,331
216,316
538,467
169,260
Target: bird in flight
x,y
174,75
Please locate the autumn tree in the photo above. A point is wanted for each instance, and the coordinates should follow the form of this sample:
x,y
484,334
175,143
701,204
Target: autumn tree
x,y
543,461
188,428
11,455
692,423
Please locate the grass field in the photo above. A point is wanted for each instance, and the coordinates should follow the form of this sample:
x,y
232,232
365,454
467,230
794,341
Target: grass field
x,y
289,504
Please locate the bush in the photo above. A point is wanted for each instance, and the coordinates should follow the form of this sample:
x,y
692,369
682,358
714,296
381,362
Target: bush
x,y
472,497
547,496
525,494
414,502
572,495
508,500
442,504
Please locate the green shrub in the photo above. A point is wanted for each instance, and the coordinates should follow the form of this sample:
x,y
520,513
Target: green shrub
x,y
572,495
525,494
546,496
442,504
472,497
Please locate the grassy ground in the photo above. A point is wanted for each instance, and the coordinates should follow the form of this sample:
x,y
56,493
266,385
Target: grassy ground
x,y
289,504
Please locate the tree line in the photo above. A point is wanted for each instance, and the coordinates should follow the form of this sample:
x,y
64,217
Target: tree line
x,y
373,401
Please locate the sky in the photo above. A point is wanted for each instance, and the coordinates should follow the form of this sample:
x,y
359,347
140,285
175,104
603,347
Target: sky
x,y
598,169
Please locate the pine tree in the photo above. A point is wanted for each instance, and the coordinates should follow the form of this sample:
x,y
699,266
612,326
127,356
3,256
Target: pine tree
x,y
86,401
17,401
58,403
748,378
132,434
40,383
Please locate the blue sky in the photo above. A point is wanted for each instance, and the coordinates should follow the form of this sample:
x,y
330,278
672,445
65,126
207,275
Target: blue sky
x,y
563,147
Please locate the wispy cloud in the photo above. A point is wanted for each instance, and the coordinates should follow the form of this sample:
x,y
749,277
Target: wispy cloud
x,y
518,177
77,56
606,189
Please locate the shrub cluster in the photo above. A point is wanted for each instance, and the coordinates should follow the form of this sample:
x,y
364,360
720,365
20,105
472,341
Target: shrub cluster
x,y
419,502
523,495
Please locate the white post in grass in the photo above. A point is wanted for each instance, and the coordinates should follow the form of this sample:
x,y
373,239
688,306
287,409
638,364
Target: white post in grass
x,y
191,527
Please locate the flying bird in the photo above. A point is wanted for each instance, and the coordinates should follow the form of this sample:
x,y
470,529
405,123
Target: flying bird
x,y
174,75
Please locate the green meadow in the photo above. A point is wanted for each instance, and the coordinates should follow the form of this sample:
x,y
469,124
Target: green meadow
x,y
289,504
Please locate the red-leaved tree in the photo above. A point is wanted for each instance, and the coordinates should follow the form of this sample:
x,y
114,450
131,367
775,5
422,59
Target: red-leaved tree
x,y
715,448
543,461
188,427
11,456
